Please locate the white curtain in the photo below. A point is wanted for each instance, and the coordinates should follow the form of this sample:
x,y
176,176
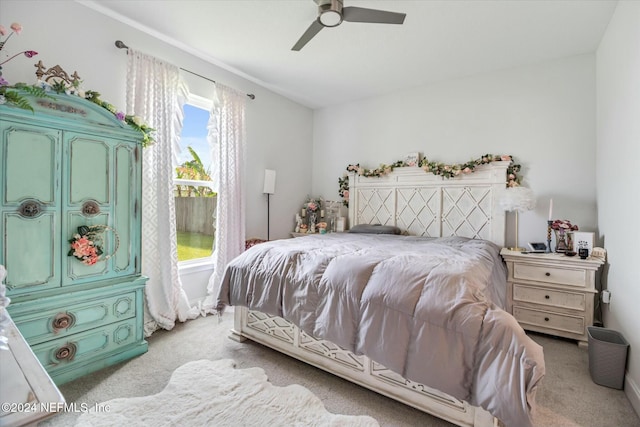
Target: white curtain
x,y
156,93
227,137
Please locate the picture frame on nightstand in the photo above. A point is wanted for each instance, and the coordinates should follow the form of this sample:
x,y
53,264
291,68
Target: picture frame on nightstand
x,y
537,247
583,240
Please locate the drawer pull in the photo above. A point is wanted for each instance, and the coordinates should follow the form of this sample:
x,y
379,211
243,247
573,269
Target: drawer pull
x,y
62,321
546,319
547,274
547,297
66,352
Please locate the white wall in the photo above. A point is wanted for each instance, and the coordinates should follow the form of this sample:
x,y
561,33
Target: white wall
x,y
543,115
618,151
80,39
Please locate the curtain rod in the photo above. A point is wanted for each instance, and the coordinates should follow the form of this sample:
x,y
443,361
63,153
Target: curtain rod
x,y
121,45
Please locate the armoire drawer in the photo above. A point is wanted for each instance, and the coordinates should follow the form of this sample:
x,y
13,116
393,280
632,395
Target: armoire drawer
x,y
59,322
549,297
81,348
549,274
550,320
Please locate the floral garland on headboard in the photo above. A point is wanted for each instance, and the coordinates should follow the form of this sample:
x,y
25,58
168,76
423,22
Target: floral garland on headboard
x,y
436,168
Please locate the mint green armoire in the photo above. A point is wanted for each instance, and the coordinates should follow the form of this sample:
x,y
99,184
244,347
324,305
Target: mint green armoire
x,y
72,164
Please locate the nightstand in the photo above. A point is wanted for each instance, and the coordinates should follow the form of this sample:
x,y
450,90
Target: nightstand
x,y
552,293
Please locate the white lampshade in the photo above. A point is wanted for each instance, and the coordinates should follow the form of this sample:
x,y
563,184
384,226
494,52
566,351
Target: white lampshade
x,y
517,199
269,181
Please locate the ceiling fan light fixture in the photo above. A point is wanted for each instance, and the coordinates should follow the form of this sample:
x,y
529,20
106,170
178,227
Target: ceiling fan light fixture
x,y
330,18
330,13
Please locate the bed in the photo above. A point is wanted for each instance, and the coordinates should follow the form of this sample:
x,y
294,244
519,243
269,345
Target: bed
x,y
415,317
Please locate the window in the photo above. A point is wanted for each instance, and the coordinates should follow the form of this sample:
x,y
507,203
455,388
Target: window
x,y
195,201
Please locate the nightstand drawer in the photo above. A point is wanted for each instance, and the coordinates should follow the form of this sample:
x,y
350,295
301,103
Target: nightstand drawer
x,y
547,274
552,298
544,319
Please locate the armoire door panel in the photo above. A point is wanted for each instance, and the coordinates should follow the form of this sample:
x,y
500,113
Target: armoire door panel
x,y
30,164
29,208
89,168
124,209
74,270
31,252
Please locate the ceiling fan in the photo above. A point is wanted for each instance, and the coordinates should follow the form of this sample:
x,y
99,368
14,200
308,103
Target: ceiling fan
x,y
331,13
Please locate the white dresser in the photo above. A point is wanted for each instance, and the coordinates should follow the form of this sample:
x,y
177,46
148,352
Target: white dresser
x,y
552,293
27,393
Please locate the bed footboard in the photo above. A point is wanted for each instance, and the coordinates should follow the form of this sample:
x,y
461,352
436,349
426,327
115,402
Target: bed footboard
x,y
281,335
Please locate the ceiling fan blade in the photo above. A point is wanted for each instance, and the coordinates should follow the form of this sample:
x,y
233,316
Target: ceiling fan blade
x,y
313,29
360,14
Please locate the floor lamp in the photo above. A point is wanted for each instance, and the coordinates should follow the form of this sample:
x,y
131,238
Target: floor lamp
x,y
518,199
269,189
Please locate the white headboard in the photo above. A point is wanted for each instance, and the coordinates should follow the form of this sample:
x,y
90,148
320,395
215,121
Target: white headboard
x,y
424,204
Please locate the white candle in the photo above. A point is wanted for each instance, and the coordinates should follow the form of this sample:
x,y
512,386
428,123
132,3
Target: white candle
x,y
304,212
322,213
550,209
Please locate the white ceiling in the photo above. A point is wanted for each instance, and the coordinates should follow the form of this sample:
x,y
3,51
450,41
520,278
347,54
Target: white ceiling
x,y
438,40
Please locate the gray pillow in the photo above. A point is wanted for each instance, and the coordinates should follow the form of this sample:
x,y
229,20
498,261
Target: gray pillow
x,y
375,229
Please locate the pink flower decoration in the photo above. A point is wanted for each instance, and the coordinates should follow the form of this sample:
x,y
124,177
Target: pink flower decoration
x,y
3,30
30,53
16,27
563,225
120,115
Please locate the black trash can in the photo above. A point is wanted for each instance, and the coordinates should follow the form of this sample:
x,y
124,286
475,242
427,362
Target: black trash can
x,y
607,356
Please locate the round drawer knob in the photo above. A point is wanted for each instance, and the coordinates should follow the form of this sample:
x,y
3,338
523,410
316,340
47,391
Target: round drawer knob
x,y
546,319
547,274
547,297
66,352
62,321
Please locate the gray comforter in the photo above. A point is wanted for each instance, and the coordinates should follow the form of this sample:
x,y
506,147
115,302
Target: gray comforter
x,y
428,309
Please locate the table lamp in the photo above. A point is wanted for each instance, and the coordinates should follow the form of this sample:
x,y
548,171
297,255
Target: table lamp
x,y
518,199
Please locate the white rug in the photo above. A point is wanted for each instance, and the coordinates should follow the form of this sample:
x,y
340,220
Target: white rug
x,y
214,393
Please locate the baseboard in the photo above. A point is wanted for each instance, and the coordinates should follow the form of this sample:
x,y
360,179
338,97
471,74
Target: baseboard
x,y
632,390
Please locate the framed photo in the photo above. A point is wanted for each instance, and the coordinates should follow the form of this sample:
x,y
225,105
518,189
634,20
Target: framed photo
x,y
412,159
537,247
583,240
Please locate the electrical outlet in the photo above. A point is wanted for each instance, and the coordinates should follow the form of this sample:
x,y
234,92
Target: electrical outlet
x,y
606,297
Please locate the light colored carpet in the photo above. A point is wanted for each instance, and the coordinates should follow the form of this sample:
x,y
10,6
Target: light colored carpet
x,y
567,397
206,392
